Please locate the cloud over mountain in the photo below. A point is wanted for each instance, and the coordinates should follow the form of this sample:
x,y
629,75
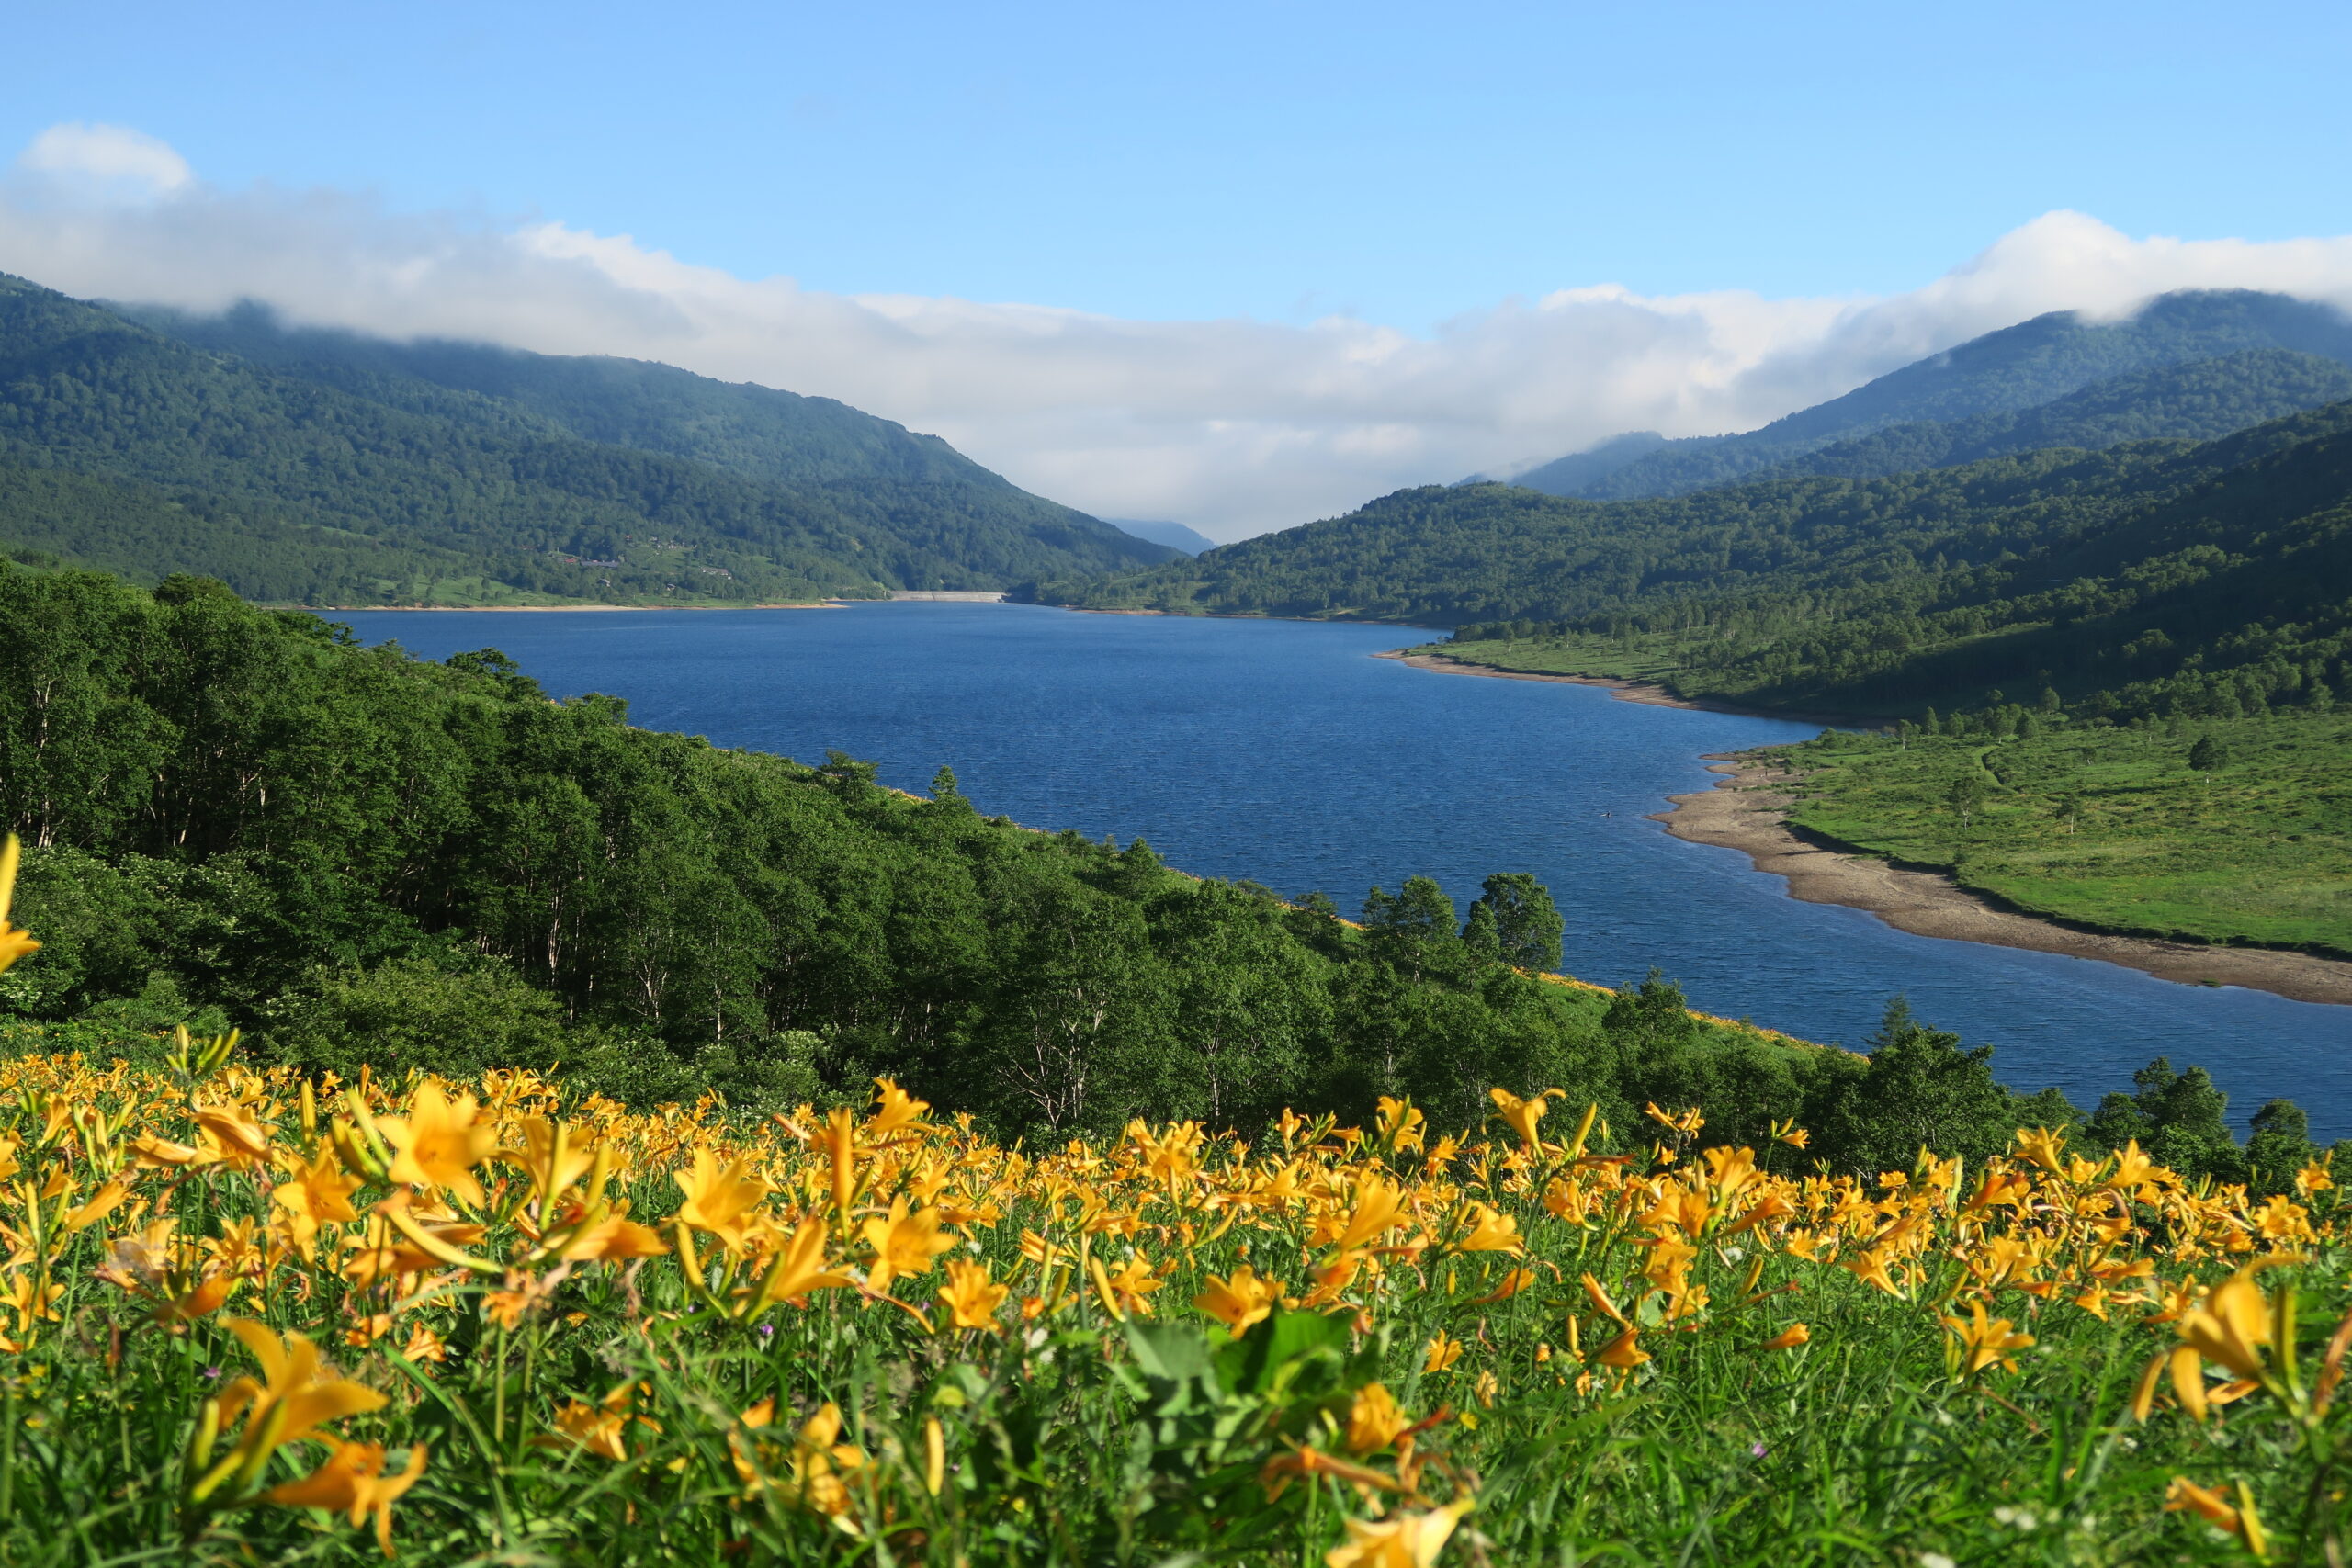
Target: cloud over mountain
x,y
1233,426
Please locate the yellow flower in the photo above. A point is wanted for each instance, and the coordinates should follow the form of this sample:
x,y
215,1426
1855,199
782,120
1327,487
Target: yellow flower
x,y
1986,1342
837,1141
309,1395
1871,1268
2185,1496
1239,1301
903,1244
1374,1420
353,1480
1623,1353
2043,1147
312,1195
1789,1338
896,1110
1400,1125
2233,1325
723,1203
1403,1540
207,1297
1125,1292
101,1204
1512,1283
1731,1171
2132,1168
232,1136
1522,1114
602,1429
1376,1210
15,942
971,1295
819,1463
425,1345
30,1303
1686,1123
613,1238
1442,1352
439,1141
799,1268
552,1157
1489,1231
159,1153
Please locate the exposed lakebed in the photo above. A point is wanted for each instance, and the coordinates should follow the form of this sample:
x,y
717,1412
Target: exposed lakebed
x,y
1283,752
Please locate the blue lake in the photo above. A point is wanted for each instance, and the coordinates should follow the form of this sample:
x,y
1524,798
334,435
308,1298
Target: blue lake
x,y
1283,752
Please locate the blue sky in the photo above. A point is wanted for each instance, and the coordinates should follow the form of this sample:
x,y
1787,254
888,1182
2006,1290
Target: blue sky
x,y
1277,161
1234,265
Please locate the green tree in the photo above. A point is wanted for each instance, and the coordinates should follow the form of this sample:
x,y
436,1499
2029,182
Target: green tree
x,y
2280,1146
1527,924
1966,795
2178,1119
1921,1090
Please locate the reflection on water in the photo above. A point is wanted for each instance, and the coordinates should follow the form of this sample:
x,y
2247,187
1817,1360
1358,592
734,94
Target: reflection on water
x,y
1281,751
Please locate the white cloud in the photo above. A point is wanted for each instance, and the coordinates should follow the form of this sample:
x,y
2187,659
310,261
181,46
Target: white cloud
x,y
1233,426
130,162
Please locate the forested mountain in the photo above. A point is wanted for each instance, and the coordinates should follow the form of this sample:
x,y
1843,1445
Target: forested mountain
x,y
340,471
2200,400
364,858
2006,372
1572,474
876,471
2148,572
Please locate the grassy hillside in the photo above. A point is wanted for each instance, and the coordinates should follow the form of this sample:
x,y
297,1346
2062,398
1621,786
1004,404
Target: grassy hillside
x,y
479,489
452,1324
2114,827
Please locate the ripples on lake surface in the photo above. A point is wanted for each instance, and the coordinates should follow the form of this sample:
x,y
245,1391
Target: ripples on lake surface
x,y
1283,752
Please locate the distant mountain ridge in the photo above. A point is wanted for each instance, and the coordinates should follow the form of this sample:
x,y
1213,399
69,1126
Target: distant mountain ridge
x,y
2005,372
1175,536
327,468
2151,572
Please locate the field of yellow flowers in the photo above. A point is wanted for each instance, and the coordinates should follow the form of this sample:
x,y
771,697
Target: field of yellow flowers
x,y
252,1318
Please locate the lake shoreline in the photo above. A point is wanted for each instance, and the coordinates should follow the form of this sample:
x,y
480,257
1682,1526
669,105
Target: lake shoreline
x,y
1745,811
1647,693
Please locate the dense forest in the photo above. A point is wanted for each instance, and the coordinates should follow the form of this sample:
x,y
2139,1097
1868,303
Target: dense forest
x,y
2150,356
239,815
327,469
2154,577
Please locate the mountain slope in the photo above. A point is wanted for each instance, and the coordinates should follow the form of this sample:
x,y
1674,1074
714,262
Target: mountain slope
x,y
2008,371
2215,582
1805,591
2199,400
918,487
1573,474
477,497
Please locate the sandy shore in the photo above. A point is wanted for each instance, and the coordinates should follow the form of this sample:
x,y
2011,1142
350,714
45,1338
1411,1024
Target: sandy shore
x,y
1623,691
1744,812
